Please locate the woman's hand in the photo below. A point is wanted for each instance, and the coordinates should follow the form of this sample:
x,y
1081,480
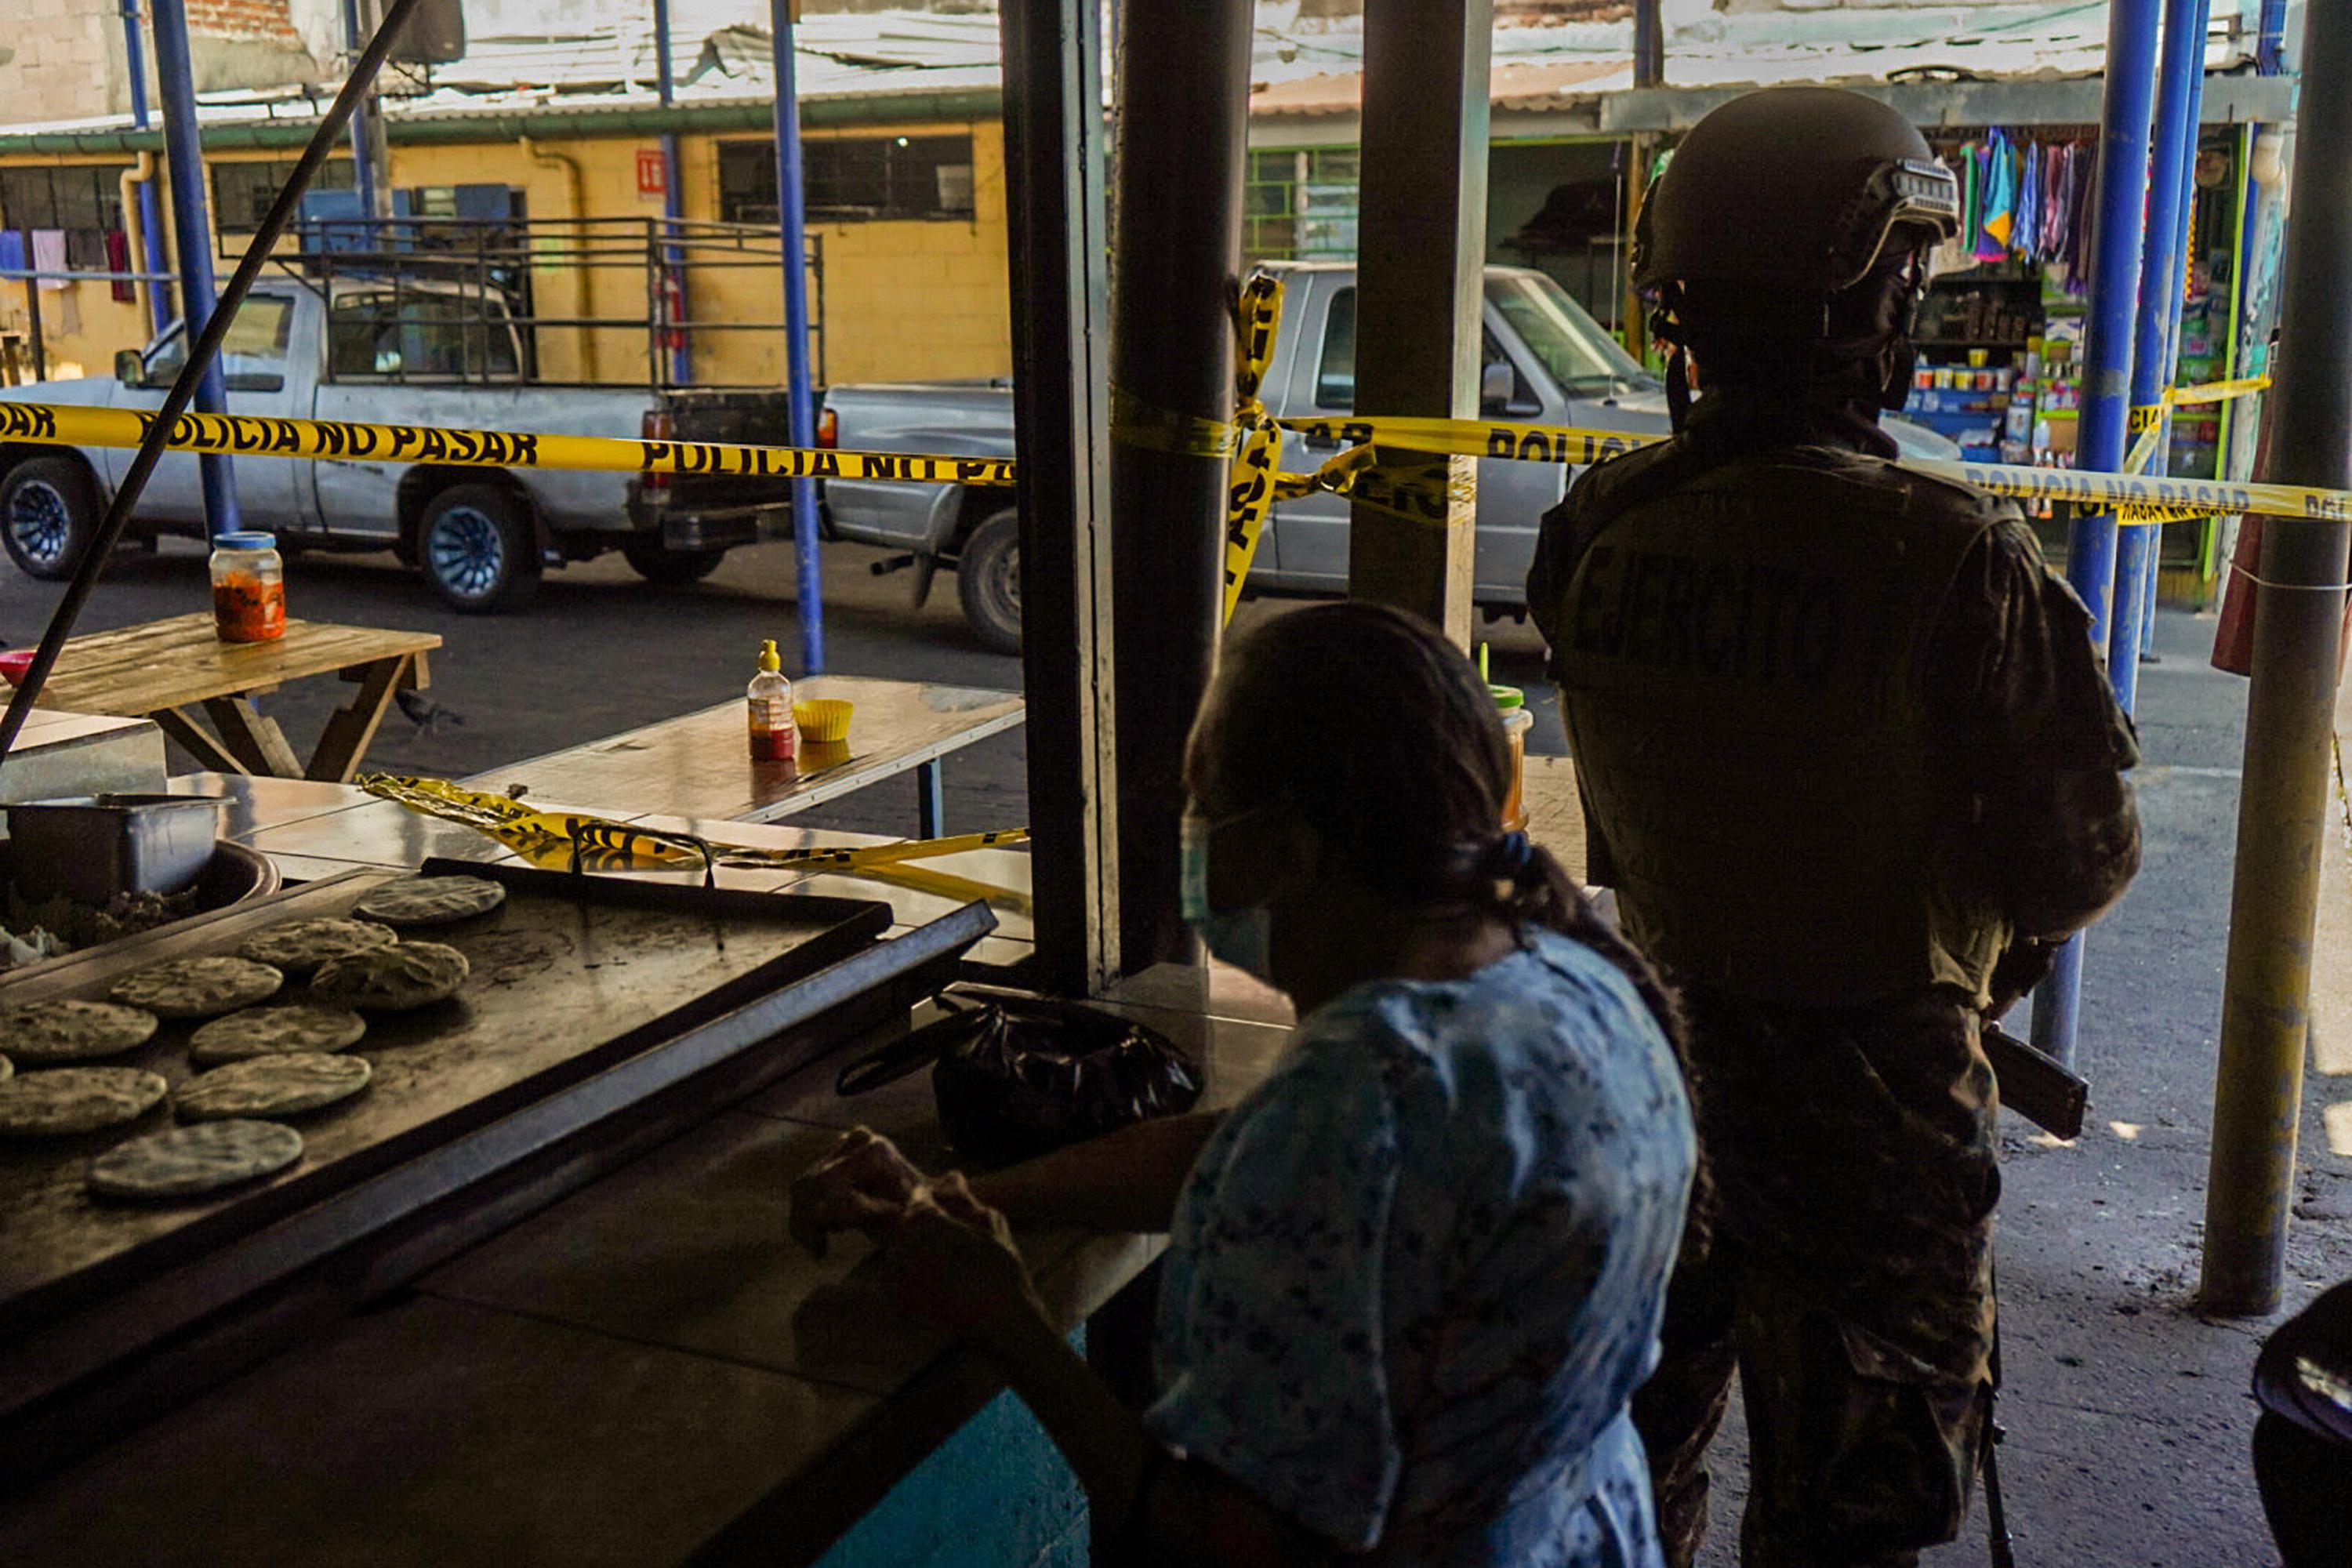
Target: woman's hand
x,y
862,1184
950,1262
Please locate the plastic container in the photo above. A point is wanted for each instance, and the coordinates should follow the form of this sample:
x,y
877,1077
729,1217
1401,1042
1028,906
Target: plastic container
x,y
768,703
1517,722
248,588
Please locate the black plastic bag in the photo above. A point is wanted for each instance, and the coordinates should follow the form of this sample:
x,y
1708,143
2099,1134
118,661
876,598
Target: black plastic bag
x,y
1018,1077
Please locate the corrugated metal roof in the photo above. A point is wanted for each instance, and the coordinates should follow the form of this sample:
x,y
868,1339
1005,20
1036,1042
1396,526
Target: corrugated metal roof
x,y
547,54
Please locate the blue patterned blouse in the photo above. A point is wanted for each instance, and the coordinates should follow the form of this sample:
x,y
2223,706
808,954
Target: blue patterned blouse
x,y
1416,1275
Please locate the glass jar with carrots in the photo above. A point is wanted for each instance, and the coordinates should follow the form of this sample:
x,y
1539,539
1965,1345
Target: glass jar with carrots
x,y
248,588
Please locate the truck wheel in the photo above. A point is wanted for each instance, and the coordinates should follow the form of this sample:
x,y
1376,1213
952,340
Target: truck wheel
x,y
479,548
672,568
48,511
988,581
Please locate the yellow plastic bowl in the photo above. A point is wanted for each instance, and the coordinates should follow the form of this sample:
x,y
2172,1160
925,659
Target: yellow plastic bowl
x,y
823,720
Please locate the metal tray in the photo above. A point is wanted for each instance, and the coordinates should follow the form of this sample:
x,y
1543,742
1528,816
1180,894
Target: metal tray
x,y
91,847
588,995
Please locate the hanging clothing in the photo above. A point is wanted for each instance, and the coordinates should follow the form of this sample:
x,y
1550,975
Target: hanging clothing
x,y
12,250
1998,220
50,255
2025,238
118,261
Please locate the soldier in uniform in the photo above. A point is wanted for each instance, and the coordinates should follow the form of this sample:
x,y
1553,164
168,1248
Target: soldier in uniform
x,y
1852,764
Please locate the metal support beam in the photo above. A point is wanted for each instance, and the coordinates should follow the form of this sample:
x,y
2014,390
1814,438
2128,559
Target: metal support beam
x,y
191,229
1057,237
1422,227
1649,44
2179,94
2282,805
371,172
1183,125
2117,212
674,274
800,393
151,214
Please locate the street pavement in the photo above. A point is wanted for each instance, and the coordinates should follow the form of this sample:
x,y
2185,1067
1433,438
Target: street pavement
x,y
2127,1412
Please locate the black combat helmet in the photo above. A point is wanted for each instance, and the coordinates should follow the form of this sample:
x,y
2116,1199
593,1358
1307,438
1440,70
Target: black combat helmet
x,y
1802,189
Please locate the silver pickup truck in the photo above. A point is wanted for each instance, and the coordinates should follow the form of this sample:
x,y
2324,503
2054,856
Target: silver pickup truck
x,y
410,353
1547,362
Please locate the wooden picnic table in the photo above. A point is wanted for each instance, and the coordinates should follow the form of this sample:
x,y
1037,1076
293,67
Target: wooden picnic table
x,y
163,670
697,764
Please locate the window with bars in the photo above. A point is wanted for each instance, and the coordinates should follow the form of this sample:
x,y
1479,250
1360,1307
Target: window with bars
x,y
242,192
1300,205
68,196
853,179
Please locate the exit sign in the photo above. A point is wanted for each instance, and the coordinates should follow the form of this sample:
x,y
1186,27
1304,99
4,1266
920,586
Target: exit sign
x,y
653,174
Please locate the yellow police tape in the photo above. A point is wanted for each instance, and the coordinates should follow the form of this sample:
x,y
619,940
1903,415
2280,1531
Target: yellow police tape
x,y
243,435
562,839
1366,471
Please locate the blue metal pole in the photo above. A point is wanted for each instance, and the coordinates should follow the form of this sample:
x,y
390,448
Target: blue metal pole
x,y
2123,133
150,216
2183,225
2179,99
792,208
362,166
681,357
175,83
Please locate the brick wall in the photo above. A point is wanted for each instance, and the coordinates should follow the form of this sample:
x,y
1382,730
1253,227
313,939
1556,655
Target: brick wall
x,y
265,19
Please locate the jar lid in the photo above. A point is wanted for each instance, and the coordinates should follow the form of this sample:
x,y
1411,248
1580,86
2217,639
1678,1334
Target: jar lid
x,y
1509,697
244,542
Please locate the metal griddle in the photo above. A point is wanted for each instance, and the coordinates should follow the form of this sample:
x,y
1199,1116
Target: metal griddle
x,y
589,998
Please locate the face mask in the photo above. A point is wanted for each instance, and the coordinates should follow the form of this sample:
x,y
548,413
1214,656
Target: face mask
x,y
1243,938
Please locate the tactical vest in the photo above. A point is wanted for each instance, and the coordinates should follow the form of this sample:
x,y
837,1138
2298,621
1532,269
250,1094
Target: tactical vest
x,y
1741,665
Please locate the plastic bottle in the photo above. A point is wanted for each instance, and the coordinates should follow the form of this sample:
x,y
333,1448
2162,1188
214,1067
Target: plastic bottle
x,y
768,700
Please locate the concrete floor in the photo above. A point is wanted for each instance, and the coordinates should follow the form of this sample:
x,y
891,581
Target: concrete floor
x,y
2128,1413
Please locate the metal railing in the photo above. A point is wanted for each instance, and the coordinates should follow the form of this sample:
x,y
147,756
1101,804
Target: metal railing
x,y
489,279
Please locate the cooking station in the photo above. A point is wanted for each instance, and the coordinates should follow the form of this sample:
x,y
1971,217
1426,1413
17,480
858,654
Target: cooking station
x,y
533,1285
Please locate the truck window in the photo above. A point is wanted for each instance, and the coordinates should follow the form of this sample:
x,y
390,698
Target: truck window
x,y
253,355
1569,344
419,337
1334,371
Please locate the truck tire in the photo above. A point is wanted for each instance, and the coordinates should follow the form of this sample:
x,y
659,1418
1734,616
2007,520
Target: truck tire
x,y
671,568
988,581
49,512
479,548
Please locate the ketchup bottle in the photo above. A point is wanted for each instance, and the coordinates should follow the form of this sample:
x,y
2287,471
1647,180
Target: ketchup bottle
x,y
768,700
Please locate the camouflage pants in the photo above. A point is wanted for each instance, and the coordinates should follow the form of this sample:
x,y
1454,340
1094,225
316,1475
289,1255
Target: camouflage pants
x,y
1848,1286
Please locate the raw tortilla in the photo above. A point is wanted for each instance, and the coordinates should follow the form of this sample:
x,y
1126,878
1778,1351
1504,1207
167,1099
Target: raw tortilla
x,y
187,1161
76,1100
431,900
263,1031
393,979
72,1031
198,987
298,947
286,1084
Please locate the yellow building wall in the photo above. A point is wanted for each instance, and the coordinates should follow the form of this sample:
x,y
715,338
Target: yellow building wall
x,y
896,300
